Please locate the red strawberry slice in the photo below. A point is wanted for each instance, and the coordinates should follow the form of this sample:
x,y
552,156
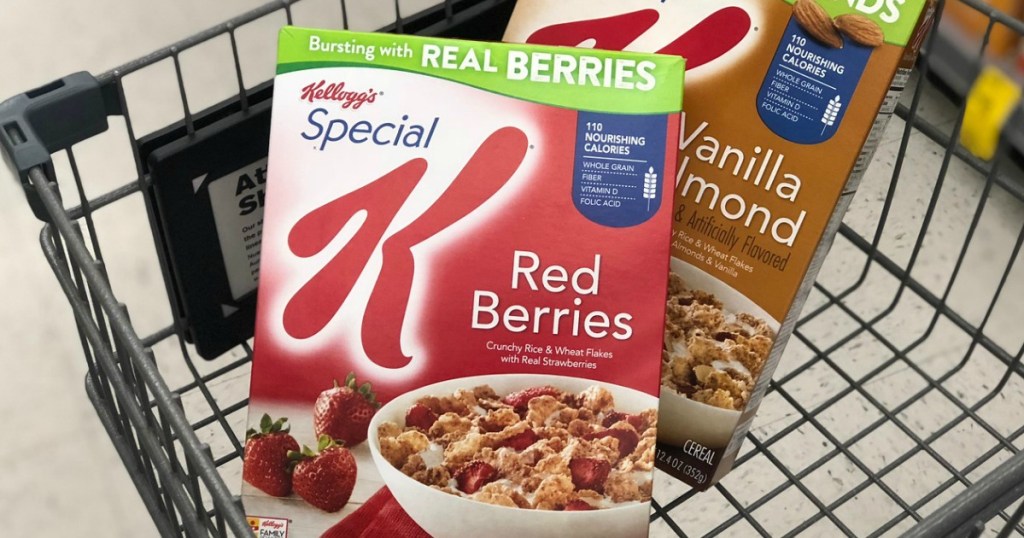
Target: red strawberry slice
x,y
627,439
265,464
521,399
577,505
589,473
343,412
324,479
636,421
475,475
521,441
420,416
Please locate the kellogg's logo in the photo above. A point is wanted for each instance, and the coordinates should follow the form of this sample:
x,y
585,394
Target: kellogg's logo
x,y
263,527
336,91
705,42
318,301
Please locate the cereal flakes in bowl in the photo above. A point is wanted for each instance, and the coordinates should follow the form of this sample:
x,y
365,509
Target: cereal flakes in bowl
x,y
519,455
717,342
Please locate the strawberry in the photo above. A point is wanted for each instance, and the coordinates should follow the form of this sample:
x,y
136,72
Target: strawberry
x,y
343,412
637,421
475,475
627,439
521,399
577,505
520,441
325,478
589,473
420,416
265,464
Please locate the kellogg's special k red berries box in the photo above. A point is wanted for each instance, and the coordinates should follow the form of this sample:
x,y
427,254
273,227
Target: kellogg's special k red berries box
x,y
462,288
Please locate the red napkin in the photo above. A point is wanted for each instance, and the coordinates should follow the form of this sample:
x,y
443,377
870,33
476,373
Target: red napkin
x,y
380,516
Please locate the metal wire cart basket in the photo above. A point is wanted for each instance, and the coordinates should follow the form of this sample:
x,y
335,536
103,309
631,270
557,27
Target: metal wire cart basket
x,y
898,408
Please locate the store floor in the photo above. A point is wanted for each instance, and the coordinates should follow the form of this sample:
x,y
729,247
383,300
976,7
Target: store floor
x,y
62,477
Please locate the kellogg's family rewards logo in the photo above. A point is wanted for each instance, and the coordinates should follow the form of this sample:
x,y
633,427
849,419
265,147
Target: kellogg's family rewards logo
x,y
265,527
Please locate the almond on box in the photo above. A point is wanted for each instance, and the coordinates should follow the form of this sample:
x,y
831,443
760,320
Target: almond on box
x,y
786,101
462,290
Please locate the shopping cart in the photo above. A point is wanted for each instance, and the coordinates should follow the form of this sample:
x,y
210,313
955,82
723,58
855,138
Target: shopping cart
x,y
889,311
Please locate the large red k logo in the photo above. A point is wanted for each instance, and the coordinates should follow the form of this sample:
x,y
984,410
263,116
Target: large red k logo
x,y
716,35
317,302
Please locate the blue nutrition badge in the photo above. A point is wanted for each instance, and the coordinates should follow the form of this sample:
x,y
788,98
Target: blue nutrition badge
x,y
809,85
619,167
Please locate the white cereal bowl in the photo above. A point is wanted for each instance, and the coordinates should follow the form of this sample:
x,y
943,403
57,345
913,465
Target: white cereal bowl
x,y
681,419
443,515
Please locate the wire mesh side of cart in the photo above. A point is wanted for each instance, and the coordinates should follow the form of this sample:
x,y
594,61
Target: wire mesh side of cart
x,y
177,423
181,446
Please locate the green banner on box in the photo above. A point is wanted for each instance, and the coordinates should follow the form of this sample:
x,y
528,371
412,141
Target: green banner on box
x,y
583,79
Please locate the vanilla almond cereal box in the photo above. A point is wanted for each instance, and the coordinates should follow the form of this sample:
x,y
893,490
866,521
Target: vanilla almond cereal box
x,y
462,287
785,103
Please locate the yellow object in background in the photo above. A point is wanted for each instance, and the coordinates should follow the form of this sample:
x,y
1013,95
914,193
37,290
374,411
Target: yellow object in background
x,y
990,104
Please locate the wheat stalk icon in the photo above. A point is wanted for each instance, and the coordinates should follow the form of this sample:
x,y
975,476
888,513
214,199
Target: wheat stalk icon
x,y
831,113
650,186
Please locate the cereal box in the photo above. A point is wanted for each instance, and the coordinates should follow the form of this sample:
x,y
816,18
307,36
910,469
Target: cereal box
x,y
462,288
785,103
